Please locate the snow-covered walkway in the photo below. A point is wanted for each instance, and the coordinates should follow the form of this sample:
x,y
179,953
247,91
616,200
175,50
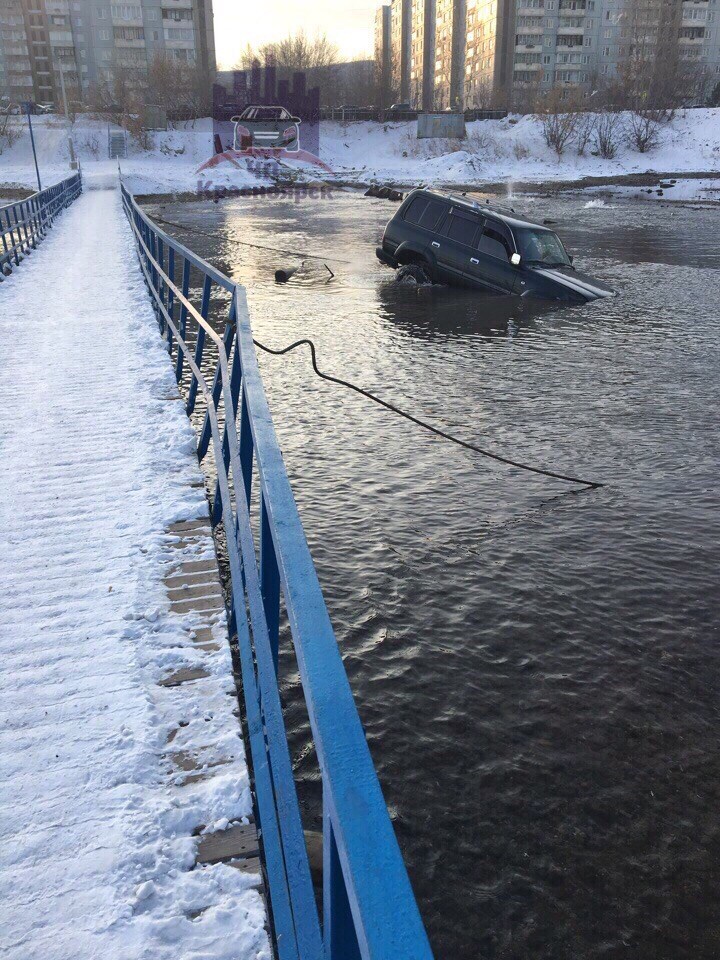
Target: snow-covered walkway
x,y
110,764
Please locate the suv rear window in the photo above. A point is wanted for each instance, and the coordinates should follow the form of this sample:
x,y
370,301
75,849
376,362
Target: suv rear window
x,y
415,210
425,212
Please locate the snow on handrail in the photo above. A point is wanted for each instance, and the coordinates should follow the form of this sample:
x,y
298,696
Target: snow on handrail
x,y
369,909
24,223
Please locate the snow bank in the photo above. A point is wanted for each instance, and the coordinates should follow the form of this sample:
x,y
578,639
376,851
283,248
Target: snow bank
x,y
169,165
494,151
508,150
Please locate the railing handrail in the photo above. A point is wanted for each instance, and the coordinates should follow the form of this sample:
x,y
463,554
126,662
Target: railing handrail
x,y
369,908
60,185
24,223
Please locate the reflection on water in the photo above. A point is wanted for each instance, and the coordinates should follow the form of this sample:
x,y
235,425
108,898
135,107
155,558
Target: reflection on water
x,y
537,672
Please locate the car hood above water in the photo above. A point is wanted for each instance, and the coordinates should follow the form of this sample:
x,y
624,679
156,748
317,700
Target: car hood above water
x,y
588,287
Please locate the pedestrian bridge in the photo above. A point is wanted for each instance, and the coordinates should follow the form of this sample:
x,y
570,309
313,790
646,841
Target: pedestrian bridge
x,y
140,443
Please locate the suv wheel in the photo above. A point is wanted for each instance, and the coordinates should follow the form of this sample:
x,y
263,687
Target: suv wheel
x,y
413,273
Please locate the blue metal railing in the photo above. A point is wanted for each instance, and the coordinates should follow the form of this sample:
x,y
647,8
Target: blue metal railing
x,y
369,910
24,224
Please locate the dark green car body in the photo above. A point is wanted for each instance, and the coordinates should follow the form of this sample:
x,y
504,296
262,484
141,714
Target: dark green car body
x,y
461,242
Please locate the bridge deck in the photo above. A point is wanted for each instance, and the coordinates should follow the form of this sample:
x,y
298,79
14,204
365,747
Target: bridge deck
x,y
118,741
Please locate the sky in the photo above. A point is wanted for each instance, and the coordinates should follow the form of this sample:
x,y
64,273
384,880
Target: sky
x,y
349,25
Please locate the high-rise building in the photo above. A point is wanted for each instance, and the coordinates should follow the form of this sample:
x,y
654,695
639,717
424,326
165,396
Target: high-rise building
x,y
92,42
16,68
383,55
400,48
669,47
449,54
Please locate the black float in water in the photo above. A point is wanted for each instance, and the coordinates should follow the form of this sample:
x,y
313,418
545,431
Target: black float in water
x,y
284,274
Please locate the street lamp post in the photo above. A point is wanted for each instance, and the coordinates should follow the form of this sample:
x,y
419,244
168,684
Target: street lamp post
x,y
32,141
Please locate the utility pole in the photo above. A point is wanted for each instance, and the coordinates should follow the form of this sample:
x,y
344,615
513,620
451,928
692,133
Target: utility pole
x,y
32,141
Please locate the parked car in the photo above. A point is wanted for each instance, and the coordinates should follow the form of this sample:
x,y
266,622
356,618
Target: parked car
x,y
267,127
44,108
456,240
400,108
8,108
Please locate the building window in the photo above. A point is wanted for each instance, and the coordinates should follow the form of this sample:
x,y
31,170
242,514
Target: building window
x,y
101,13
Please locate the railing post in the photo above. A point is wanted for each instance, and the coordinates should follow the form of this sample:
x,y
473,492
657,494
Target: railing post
x,y
206,432
204,310
183,317
171,295
18,227
246,447
160,257
339,934
269,580
235,381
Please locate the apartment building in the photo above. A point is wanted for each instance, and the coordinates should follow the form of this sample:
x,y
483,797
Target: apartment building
x,y
400,40
93,42
16,68
580,45
478,53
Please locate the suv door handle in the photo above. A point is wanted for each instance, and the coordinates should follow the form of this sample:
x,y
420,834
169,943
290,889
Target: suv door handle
x,y
434,244
473,260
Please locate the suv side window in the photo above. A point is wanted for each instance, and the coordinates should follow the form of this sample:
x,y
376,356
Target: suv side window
x,y
496,240
415,210
433,214
463,227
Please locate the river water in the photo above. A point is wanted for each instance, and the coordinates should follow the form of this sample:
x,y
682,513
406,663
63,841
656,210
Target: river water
x,y
537,669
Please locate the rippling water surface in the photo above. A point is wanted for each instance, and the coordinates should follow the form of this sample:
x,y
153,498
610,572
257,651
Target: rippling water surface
x,y
537,671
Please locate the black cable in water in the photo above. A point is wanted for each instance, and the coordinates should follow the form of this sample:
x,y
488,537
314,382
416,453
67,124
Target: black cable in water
x,y
246,243
591,484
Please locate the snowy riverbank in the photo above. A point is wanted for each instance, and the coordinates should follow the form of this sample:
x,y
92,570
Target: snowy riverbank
x,y
494,152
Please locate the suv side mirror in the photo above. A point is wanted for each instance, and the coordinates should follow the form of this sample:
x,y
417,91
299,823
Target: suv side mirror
x,y
515,259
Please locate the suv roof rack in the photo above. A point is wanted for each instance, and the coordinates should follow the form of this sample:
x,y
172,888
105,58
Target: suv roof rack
x,y
475,204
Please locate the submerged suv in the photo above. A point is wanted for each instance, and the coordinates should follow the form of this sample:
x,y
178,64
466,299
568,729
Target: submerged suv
x,y
459,241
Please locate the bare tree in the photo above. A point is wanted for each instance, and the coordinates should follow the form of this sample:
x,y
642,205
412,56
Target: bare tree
x,y
558,122
181,89
297,53
584,130
608,130
643,130
9,132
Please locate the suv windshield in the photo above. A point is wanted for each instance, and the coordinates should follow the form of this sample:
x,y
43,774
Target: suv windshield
x,y
542,246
